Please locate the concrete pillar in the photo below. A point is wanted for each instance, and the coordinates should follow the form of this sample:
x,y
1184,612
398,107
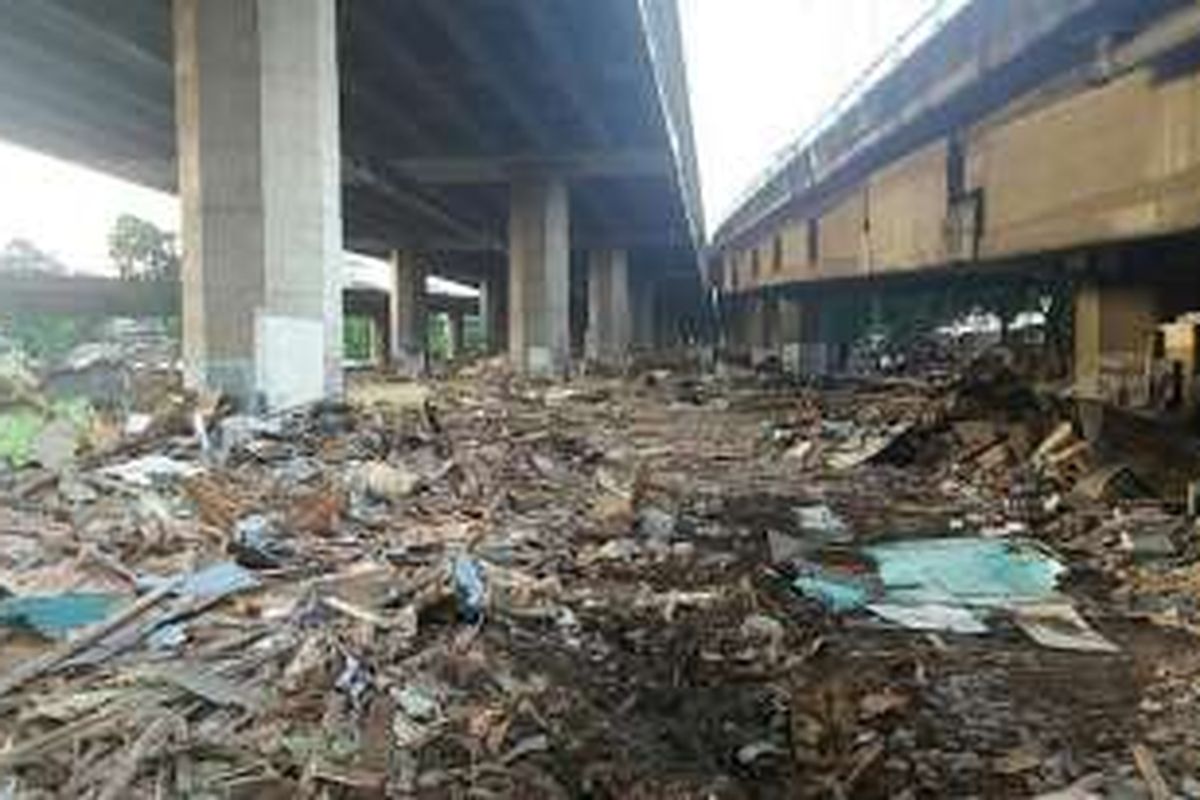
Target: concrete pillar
x,y
408,314
379,339
1115,326
736,327
456,330
815,355
791,334
260,183
645,322
539,276
610,321
493,318
758,315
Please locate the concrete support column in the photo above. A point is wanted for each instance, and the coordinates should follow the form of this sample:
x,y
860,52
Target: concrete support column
x,y
769,328
1115,326
379,339
457,334
260,182
645,321
493,318
815,334
791,334
736,327
539,276
409,316
610,321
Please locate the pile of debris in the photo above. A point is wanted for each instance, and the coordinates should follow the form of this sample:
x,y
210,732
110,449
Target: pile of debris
x,y
669,586
87,399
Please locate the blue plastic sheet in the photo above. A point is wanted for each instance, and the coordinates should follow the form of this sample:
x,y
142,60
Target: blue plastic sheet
x,y
938,584
838,594
966,571
971,572
955,585
55,616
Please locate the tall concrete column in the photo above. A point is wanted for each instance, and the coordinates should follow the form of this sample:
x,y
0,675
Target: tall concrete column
x,y
1115,325
408,314
610,321
260,182
539,272
791,334
815,333
645,324
457,334
493,318
380,344
760,329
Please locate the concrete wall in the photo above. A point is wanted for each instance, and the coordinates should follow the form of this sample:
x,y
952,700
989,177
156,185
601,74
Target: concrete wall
x,y
1117,162
841,238
907,208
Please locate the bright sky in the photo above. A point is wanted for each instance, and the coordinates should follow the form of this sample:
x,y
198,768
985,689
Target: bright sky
x,y
67,210
760,71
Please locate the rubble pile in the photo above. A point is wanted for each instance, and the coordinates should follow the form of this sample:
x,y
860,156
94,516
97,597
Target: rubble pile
x,y
672,585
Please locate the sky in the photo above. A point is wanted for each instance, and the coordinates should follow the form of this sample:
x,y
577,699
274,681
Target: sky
x,y
67,210
760,72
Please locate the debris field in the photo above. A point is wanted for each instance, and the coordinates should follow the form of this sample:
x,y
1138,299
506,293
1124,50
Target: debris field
x,y
662,585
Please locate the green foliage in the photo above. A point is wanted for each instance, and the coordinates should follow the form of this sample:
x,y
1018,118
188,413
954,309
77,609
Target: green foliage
x,y
474,336
18,431
46,337
20,427
358,337
437,334
143,251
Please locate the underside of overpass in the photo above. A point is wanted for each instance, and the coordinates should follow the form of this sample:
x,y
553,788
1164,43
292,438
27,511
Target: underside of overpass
x,y
491,143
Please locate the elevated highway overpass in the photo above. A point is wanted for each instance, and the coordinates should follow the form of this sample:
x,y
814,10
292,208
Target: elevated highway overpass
x,y
492,142
1048,147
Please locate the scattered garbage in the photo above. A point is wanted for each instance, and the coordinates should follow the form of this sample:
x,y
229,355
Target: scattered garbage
x,y
656,524
146,471
388,482
258,543
955,584
682,586
56,616
469,589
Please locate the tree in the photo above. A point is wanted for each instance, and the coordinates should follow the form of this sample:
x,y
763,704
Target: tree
x,y
143,251
24,257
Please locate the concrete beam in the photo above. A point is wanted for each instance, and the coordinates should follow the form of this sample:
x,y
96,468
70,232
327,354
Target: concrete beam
x,y
456,23
475,235
550,41
629,163
435,93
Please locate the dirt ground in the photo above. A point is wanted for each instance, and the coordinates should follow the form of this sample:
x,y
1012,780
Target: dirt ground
x,y
634,637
